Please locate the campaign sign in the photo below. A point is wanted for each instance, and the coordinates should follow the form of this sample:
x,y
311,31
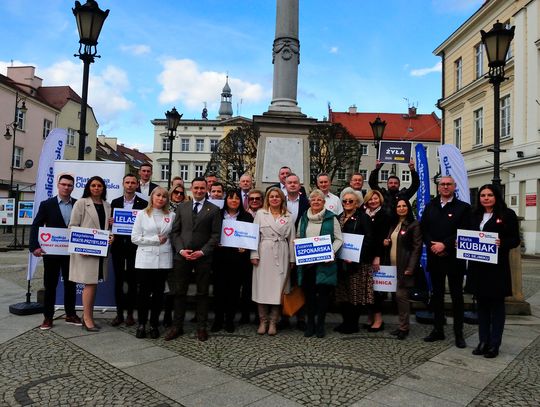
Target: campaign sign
x,y
94,242
311,250
385,279
244,235
54,240
123,220
395,152
218,202
477,246
351,248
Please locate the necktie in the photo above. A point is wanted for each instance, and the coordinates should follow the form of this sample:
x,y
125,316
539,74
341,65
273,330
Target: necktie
x,y
196,208
246,201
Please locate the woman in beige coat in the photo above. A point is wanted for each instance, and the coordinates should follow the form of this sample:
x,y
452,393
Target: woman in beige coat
x,y
91,211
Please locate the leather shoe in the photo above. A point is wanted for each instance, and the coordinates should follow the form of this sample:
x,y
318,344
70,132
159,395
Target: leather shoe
x,y
154,332
229,327
117,321
491,353
380,328
435,336
216,326
301,325
244,319
460,342
130,321
173,333
141,332
481,349
202,334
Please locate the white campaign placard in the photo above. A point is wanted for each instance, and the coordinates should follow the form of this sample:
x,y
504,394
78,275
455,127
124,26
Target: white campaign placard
x,y
477,246
123,220
351,248
218,202
54,240
311,250
244,235
94,242
385,279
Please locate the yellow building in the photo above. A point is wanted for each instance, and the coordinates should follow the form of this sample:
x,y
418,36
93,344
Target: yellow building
x,y
467,106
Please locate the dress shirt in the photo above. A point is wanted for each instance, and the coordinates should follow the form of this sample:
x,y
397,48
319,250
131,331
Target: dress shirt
x,y
145,188
65,209
292,207
332,203
129,204
201,203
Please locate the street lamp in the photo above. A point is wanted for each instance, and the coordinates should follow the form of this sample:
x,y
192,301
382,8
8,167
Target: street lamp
x,y
90,19
173,118
497,42
377,127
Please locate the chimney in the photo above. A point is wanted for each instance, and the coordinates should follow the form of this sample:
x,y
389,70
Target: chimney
x,y
412,112
352,109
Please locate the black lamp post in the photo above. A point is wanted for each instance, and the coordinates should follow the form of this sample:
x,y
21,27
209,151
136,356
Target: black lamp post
x,y
90,19
173,118
377,127
497,42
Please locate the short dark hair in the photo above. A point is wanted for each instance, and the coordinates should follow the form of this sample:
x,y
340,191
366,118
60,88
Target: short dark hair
x,y
218,184
86,192
211,174
198,179
66,176
129,175
394,177
145,165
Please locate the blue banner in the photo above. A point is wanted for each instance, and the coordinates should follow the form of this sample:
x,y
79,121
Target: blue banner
x,y
422,198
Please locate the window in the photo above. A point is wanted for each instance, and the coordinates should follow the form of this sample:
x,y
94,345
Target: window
x,y
21,119
164,172
458,68
184,144
505,116
199,170
213,144
199,144
70,137
165,144
184,173
47,127
341,175
384,175
364,174
405,176
479,60
478,116
364,149
18,157
457,133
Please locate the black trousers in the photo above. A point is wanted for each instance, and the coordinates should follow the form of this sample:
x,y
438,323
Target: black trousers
x,y
151,285
179,279
53,266
246,303
439,268
123,259
317,296
226,292
491,318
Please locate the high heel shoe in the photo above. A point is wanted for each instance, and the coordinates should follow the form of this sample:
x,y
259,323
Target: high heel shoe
x,y
95,328
380,328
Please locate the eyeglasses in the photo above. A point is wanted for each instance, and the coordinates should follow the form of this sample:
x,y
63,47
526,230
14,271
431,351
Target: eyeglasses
x,y
348,201
254,198
446,184
178,192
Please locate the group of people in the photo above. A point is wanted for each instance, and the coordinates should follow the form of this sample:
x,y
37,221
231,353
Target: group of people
x,y
175,240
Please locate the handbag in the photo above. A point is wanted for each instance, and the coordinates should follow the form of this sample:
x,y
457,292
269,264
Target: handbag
x,y
292,301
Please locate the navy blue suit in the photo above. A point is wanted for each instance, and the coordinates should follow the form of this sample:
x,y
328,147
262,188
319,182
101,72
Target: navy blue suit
x,y
49,215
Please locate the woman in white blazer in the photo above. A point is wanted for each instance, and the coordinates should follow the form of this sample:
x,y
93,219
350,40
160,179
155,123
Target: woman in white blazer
x,y
153,260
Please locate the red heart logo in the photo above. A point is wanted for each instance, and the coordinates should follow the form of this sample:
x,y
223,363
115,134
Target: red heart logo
x,y
167,220
228,231
481,234
45,237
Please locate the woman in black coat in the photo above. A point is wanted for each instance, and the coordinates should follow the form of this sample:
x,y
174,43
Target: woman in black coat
x,y
229,265
490,283
403,249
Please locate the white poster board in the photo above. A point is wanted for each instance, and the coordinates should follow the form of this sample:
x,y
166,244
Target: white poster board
x,y
123,220
385,279
54,241
244,235
311,250
94,242
7,211
218,202
351,248
477,246
25,213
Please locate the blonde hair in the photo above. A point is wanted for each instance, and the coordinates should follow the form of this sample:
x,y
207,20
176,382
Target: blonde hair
x,y
165,208
282,207
371,193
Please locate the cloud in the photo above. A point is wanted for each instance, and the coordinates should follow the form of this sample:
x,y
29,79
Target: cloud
x,y
182,80
5,64
136,49
425,71
334,50
105,92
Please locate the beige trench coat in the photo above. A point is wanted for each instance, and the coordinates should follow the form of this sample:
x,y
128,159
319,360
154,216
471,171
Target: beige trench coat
x,y
85,269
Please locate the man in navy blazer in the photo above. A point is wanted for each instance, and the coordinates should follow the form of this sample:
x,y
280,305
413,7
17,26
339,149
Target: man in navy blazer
x,y
196,231
284,172
123,255
55,213
146,186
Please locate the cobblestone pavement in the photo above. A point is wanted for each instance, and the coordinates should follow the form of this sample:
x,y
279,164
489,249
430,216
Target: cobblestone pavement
x,y
42,369
517,385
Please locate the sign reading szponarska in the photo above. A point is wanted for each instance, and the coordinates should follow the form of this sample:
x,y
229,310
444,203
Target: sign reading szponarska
x,y
94,242
311,250
395,152
477,246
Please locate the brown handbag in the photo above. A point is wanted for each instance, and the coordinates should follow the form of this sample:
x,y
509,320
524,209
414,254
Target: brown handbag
x,y
292,302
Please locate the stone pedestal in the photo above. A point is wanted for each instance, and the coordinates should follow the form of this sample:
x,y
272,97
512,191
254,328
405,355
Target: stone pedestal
x,y
283,141
516,304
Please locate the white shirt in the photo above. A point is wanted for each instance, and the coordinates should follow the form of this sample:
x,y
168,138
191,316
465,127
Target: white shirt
x,y
293,206
199,207
145,188
333,203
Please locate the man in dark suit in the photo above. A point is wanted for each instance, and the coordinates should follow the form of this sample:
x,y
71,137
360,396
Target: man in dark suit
x,y
55,213
392,193
123,255
146,186
284,172
195,234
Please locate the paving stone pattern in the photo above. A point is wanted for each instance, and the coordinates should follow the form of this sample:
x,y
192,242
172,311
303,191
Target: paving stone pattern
x,y
43,369
335,371
517,385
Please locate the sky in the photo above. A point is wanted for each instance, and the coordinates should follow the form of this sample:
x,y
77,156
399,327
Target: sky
x,y
377,55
